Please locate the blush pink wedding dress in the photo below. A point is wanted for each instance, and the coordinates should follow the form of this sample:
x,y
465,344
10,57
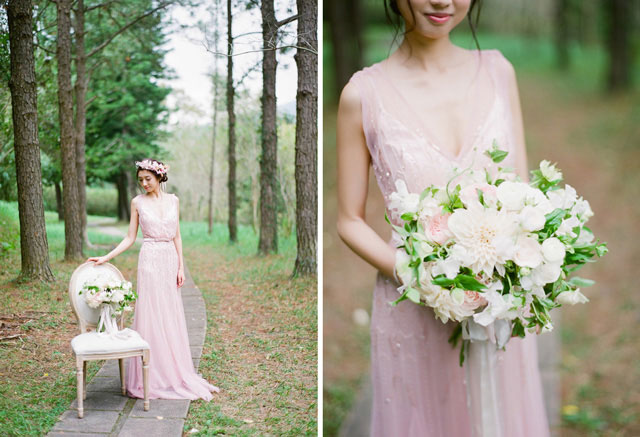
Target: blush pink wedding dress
x,y
419,389
159,314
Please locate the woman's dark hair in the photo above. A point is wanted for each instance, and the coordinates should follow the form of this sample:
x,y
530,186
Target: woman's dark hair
x,y
160,177
392,12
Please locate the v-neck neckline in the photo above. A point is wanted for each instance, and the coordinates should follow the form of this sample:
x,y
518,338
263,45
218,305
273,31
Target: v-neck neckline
x,y
154,212
466,144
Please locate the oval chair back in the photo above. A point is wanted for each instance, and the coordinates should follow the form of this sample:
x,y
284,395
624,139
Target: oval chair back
x,y
88,317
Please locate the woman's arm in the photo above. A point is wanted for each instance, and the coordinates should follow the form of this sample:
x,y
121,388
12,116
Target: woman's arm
x,y
177,240
353,179
127,242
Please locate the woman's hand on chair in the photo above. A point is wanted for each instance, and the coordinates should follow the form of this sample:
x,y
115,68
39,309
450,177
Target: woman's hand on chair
x,y
98,259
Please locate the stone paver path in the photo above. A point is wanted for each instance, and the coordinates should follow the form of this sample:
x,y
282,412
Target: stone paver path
x,y
108,413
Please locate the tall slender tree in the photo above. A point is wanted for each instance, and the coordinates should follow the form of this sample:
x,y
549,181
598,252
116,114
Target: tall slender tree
x,y
72,221
619,28
231,116
34,247
306,172
216,92
268,242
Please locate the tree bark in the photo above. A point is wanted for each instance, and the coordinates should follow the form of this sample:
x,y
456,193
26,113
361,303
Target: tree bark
x,y
346,40
619,18
81,116
34,247
306,172
59,208
124,213
231,182
268,242
72,221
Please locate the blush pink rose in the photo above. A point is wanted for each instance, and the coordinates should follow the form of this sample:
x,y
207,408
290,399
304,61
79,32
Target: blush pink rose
x,y
473,300
437,229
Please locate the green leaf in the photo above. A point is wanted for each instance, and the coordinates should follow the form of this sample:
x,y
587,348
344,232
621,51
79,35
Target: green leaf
x,y
442,281
467,282
601,249
518,329
581,282
408,216
413,295
496,154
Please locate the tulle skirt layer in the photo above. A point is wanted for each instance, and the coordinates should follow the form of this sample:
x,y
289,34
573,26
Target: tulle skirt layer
x,y
159,318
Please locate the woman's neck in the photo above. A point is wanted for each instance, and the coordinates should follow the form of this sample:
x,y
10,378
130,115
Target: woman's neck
x,y
427,54
156,194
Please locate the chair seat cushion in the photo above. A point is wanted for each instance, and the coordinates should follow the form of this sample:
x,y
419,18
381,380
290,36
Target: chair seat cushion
x,y
97,343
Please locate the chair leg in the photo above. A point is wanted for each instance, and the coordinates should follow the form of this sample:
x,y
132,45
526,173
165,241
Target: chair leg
x,y
145,378
80,385
84,380
122,377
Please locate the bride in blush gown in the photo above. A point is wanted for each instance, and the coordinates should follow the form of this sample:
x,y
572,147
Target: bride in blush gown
x,y
428,108
159,314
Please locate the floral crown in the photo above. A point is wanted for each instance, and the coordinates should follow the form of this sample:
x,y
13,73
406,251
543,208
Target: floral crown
x,y
153,166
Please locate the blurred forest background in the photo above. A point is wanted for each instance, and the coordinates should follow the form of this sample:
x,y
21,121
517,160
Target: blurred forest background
x,y
579,79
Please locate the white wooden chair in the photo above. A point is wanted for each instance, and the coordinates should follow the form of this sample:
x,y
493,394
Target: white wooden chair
x,y
89,345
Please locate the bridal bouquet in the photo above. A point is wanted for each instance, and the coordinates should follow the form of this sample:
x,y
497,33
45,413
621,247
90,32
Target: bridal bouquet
x,y
111,296
490,251
118,294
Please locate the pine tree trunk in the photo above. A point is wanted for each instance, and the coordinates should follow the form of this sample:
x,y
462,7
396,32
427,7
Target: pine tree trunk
x,y
269,160
72,221
124,214
619,14
231,183
59,208
34,248
306,172
81,116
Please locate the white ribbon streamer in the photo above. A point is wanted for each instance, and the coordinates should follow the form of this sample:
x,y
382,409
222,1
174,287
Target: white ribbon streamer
x,y
110,326
481,377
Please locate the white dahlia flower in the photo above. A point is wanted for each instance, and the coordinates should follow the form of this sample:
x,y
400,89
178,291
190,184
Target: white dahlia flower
x,y
484,238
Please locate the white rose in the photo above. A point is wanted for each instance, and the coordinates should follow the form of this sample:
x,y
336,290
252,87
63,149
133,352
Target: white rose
x,y
531,219
528,252
549,171
512,195
571,297
553,250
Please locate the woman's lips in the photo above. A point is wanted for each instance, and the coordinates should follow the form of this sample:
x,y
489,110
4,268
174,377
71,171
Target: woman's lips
x,y
438,18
